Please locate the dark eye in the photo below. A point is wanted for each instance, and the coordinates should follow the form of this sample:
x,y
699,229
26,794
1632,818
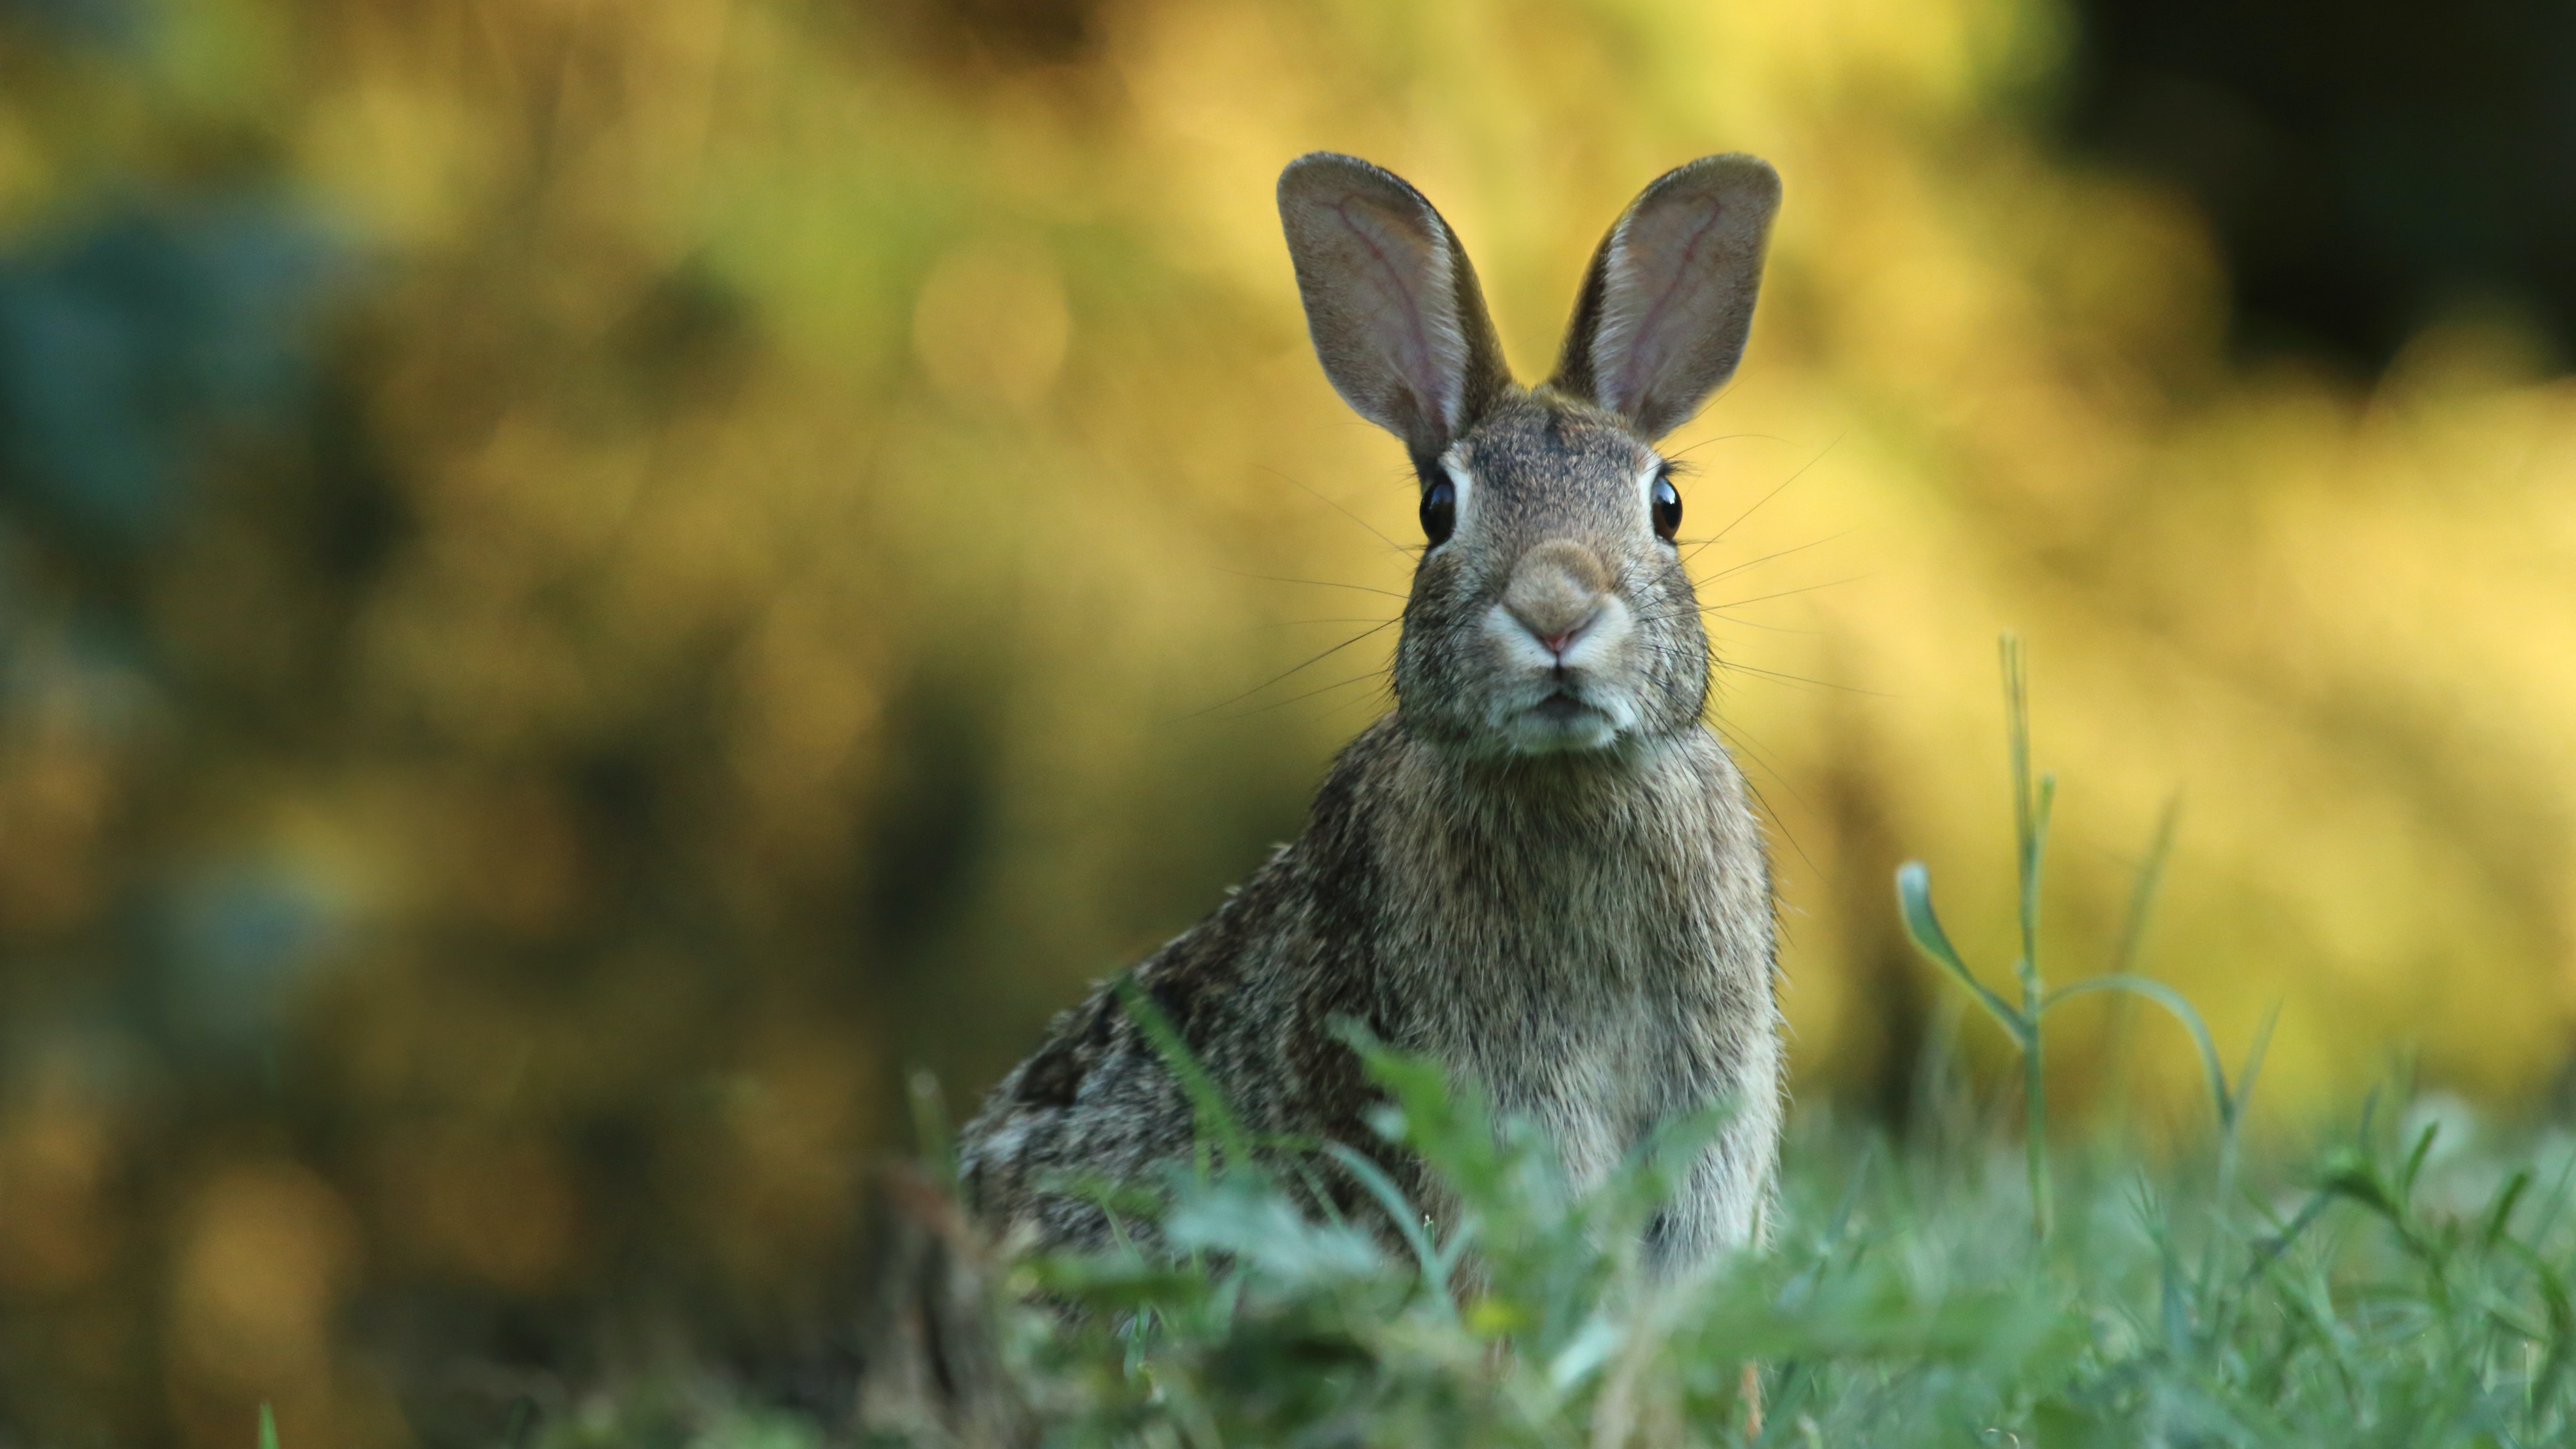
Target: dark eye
x,y
1439,511
1668,509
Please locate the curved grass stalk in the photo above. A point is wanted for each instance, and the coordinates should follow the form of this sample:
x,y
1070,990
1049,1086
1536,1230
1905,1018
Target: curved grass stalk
x,y
2032,804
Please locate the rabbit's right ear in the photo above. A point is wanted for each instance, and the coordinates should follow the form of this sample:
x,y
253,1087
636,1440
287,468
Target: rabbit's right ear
x,y
1390,300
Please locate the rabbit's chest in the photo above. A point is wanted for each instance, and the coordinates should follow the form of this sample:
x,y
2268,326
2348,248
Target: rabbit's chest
x,y
1595,998
1599,959
1598,1072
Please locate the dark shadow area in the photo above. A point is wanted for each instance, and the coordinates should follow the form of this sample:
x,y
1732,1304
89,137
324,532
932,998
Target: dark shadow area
x,y
2366,167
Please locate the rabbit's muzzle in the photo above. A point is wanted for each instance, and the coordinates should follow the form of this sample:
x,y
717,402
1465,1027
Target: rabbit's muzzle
x,y
1556,593
1560,636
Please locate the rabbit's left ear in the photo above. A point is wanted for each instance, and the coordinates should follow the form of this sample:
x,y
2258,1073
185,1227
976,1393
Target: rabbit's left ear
x,y
1665,307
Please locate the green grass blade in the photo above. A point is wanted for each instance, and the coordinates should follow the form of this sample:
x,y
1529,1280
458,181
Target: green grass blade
x,y
2143,892
2017,738
2182,1010
1407,1218
2415,1158
2499,1214
2254,1055
2033,866
1914,903
1215,1117
267,1426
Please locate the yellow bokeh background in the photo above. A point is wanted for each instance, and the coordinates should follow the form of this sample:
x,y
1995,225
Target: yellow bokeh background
x,y
854,477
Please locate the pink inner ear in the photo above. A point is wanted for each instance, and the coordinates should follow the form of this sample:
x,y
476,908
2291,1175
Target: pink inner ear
x,y
1414,340
1659,274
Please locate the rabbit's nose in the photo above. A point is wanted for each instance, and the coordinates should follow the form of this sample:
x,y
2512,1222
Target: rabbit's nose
x,y
1556,592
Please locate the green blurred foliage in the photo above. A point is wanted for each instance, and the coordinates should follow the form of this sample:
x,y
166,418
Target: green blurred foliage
x,y
582,584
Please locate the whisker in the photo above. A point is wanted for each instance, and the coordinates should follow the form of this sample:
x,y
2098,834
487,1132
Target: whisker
x,y
1295,698
1784,593
1276,678
1680,453
1774,674
1314,583
1774,493
1381,698
1742,602
1712,611
1766,558
1753,749
1337,508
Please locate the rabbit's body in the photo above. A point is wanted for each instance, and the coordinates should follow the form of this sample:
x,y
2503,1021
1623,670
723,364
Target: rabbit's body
x,y
1541,870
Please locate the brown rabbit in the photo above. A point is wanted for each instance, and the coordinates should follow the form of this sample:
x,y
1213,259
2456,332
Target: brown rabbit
x,y
1540,869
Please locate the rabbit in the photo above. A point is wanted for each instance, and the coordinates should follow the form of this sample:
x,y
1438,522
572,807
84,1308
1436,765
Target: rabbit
x,y
1541,868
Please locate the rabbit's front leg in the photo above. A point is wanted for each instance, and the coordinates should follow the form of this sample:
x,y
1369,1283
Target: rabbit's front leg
x,y
1721,1205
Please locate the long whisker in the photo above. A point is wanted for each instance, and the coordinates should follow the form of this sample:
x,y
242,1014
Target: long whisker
x,y
1767,497
1713,612
1766,558
1799,679
1337,508
1309,694
1314,583
1784,593
1716,661
1276,678
1753,750
1680,453
1718,609
1380,697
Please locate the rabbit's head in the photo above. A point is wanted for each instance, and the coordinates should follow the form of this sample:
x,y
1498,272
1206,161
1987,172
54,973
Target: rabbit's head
x,y
1550,612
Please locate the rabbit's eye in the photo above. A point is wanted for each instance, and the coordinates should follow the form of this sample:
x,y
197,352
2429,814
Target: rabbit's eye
x,y
1439,512
1668,509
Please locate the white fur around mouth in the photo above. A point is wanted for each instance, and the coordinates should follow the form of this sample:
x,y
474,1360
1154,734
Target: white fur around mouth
x,y
1564,721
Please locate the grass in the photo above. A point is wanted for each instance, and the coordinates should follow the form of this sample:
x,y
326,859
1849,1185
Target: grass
x,y
2032,804
2401,1283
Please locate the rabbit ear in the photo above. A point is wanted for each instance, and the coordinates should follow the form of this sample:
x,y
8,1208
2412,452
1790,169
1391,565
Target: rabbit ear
x,y
1391,301
1669,297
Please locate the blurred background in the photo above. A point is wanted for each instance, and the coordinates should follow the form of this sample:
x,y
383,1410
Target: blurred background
x,y
584,584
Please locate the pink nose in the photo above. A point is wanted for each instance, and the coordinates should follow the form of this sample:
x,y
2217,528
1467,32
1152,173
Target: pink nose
x,y
1555,643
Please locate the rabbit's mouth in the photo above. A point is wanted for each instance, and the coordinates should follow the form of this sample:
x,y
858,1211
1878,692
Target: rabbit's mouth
x,y
1559,693
1565,719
